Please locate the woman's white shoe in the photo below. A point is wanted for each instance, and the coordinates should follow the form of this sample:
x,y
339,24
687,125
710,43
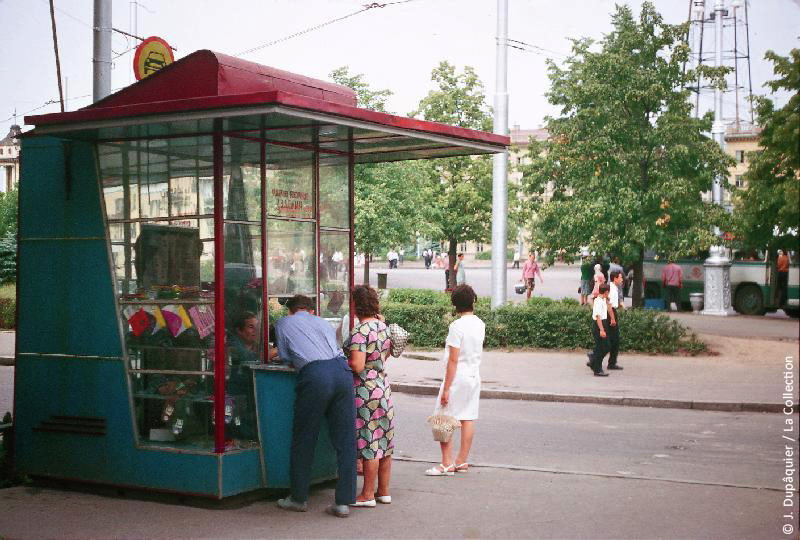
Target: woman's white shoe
x,y
441,470
366,504
384,499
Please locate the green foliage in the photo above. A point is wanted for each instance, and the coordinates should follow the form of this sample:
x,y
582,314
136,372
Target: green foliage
x,y
390,198
771,201
626,159
541,323
486,255
8,212
8,315
8,257
460,195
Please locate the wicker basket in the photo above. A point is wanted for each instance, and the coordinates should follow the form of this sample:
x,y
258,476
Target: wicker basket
x,y
442,426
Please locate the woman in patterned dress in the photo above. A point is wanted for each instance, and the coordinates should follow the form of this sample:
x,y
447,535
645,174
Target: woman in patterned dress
x,y
369,346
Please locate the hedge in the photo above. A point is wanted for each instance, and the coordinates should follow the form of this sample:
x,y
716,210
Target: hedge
x,y
8,304
543,323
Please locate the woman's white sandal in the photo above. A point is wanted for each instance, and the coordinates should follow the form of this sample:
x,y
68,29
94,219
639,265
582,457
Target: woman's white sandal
x,y
441,470
364,504
464,467
384,499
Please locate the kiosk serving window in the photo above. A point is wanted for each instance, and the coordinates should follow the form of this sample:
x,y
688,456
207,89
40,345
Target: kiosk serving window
x,y
284,219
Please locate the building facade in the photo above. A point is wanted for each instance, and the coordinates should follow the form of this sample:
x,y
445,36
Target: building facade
x,y
9,160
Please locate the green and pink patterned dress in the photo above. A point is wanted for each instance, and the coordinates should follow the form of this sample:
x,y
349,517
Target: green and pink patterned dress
x,y
374,409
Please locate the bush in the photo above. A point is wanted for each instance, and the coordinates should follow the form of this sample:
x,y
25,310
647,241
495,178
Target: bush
x,y
541,323
487,255
8,304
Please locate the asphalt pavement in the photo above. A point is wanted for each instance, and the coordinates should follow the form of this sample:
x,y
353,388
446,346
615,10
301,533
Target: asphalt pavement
x,y
540,470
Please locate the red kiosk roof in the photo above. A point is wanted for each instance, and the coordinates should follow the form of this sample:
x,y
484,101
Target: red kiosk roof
x,y
206,85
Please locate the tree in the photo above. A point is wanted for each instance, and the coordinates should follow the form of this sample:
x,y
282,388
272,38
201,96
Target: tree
x,y
388,196
8,237
461,187
768,211
626,161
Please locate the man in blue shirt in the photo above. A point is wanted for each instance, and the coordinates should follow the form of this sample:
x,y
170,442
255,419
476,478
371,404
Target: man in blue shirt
x,y
324,389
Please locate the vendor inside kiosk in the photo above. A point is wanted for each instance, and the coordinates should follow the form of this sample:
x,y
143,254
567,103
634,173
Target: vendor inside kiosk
x,y
161,231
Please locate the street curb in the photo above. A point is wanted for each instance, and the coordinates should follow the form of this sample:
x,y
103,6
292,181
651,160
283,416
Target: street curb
x,y
427,390
6,360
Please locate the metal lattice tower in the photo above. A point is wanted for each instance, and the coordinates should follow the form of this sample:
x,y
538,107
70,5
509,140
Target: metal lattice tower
x,y
735,54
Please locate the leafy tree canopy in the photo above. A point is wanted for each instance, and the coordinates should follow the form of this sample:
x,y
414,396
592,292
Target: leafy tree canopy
x,y
768,211
388,196
626,161
461,187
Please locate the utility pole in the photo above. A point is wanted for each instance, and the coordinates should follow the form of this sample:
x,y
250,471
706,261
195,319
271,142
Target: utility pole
x,y
500,162
717,268
101,59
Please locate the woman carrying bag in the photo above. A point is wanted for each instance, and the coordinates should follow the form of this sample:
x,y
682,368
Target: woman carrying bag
x,y
460,391
369,347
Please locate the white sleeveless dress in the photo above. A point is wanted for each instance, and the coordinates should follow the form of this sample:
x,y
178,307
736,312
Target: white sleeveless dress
x,y
465,333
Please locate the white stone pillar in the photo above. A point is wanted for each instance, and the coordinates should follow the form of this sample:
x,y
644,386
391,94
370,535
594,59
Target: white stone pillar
x,y
717,284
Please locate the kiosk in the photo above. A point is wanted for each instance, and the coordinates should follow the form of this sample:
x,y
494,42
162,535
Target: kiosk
x,y
160,231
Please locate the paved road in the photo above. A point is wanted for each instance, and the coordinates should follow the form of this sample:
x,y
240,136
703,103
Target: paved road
x,y
549,471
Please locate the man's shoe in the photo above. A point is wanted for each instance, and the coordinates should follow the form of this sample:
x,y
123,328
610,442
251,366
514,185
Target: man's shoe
x,y
600,374
615,366
289,504
338,510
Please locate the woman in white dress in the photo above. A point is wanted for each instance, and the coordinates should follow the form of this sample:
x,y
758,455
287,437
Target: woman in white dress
x,y
461,389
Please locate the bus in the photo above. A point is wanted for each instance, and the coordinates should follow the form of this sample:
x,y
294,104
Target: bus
x,y
753,284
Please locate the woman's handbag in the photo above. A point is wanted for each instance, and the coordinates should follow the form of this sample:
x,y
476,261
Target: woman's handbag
x,y
519,288
399,337
443,425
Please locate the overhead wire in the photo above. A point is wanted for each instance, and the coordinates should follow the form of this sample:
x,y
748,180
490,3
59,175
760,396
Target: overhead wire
x,y
366,7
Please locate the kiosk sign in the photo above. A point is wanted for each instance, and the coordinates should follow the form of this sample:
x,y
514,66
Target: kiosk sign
x,y
151,55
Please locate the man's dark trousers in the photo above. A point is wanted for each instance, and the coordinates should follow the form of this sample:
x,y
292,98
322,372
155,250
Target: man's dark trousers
x,y
613,339
673,295
600,347
324,390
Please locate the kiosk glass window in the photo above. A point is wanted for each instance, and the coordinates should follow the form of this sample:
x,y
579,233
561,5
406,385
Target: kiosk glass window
x,y
160,261
244,319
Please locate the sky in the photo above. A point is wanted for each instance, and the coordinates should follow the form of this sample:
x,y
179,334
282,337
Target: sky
x,y
395,47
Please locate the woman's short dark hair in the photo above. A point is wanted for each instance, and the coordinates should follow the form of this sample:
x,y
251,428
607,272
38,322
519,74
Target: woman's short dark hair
x,y
604,288
463,298
298,302
241,319
613,275
366,301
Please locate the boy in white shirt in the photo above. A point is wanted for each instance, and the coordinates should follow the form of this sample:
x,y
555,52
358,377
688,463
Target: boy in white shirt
x,y
612,328
600,312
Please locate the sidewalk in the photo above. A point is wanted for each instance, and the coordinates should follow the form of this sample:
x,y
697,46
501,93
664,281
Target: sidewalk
x,y
739,375
742,375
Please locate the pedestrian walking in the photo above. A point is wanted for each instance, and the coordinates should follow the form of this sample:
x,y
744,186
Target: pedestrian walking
x,y
426,256
599,316
460,270
392,256
460,390
782,266
529,270
612,329
517,256
585,288
324,389
672,279
369,347
598,278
